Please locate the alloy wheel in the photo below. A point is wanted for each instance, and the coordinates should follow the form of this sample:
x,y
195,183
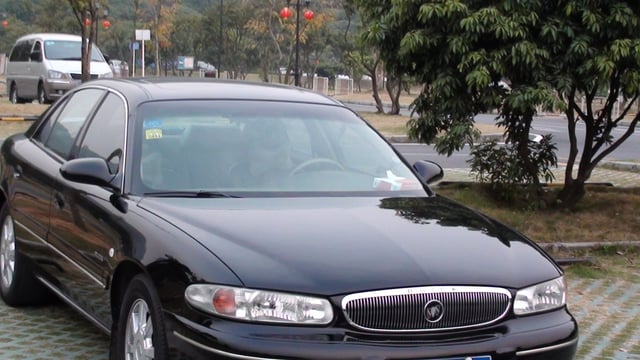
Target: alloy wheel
x,y
7,252
139,332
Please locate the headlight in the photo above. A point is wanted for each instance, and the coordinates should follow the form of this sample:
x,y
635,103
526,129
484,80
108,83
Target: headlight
x,y
57,75
542,297
259,305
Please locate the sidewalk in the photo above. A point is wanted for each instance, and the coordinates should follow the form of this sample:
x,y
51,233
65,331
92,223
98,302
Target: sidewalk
x,y
620,174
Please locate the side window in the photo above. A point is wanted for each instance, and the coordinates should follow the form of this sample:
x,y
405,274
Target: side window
x,y
105,135
44,130
72,117
21,51
37,51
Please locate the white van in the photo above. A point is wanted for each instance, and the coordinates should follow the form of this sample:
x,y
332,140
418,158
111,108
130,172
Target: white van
x,y
45,66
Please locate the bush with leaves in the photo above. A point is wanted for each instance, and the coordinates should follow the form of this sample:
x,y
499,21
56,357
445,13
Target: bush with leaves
x,y
502,167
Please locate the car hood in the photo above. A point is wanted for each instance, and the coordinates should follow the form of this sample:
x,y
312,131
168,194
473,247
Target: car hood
x,y
342,245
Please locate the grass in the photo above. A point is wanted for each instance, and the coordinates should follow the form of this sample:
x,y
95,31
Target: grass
x,y
606,214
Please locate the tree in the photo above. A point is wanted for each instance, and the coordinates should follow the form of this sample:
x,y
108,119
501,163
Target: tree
x,y
162,17
552,53
362,52
86,14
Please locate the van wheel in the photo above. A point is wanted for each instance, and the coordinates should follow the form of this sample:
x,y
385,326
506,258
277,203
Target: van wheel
x,y
13,95
42,96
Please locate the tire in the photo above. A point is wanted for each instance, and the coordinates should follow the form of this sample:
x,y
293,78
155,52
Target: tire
x,y
13,94
140,310
18,286
42,95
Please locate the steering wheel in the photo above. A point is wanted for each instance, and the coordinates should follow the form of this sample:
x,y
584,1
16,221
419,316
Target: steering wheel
x,y
304,166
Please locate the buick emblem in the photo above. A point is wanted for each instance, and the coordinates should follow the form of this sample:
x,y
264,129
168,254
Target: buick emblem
x,y
433,311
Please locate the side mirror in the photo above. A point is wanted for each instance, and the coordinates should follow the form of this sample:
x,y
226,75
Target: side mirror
x,y
428,170
93,171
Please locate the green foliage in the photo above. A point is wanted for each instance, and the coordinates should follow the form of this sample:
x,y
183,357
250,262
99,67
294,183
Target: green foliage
x,y
555,54
501,166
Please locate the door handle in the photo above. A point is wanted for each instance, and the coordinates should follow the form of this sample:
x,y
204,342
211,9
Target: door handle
x,y
17,172
58,200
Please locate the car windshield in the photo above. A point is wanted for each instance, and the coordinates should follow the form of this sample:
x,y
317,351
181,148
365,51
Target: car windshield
x,y
67,50
266,147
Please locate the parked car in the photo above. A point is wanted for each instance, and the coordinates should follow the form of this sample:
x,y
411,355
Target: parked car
x,y
194,218
45,66
120,68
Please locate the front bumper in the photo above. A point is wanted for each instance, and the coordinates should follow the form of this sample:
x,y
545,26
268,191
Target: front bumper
x,y
550,336
56,88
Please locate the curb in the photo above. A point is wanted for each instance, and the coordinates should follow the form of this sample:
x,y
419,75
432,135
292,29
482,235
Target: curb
x,y
588,245
18,117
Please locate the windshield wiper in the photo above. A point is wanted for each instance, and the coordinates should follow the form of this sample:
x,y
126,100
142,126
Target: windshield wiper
x,y
191,194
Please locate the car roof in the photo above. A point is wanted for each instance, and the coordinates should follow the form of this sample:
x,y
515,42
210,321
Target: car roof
x,y
162,88
51,36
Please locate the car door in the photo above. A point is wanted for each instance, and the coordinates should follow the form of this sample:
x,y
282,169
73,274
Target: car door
x,y
35,70
85,224
34,168
51,145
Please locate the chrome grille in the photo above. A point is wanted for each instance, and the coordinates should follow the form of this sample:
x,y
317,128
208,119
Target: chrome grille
x,y
404,309
76,76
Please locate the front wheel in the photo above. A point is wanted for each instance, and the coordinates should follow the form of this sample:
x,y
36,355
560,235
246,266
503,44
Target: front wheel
x,y
139,331
42,95
18,286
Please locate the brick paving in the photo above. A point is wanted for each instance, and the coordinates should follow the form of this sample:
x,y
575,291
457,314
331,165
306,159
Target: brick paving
x,y
607,311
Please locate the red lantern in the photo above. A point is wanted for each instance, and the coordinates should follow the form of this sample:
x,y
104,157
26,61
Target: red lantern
x,y
87,22
106,24
285,13
5,23
308,14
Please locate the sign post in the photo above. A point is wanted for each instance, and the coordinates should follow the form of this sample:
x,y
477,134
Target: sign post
x,y
134,46
143,35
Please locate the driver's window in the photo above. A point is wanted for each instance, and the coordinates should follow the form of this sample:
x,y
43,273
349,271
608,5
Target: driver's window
x,y
37,52
105,135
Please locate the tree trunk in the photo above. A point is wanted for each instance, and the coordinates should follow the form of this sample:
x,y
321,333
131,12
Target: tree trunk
x,y
376,94
572,192
394,88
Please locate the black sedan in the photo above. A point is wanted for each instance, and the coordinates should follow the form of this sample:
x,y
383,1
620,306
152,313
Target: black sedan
x,y
229,220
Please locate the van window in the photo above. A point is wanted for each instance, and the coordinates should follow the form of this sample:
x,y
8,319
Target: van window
x,y
21,51
37,49
67,50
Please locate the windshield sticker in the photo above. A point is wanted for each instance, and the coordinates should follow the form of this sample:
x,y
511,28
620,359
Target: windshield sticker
x,y
393,183
152,134
152,123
